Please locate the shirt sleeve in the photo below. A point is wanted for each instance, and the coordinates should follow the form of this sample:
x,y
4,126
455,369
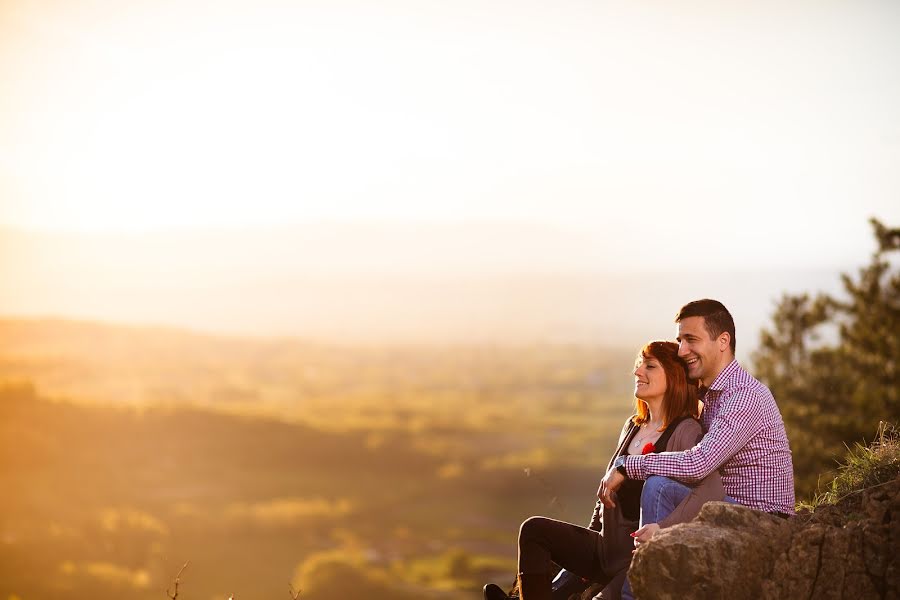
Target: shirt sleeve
x,y
740,418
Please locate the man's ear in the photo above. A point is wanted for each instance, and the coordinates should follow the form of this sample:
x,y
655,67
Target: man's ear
x,y
724,341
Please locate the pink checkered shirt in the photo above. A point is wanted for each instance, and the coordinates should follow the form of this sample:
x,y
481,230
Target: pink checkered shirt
x,y
744,439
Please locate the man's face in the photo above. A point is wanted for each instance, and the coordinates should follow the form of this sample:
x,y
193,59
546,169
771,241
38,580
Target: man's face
x,y
702,354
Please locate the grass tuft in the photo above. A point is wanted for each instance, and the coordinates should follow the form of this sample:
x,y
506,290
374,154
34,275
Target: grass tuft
x,y
864,467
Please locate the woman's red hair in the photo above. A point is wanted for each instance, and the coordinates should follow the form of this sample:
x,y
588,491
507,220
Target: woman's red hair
x,y
680,399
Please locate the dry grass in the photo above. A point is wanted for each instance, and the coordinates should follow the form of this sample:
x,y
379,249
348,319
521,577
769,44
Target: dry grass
x,y
864,467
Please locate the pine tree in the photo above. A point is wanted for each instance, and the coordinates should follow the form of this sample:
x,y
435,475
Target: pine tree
x,y
832,363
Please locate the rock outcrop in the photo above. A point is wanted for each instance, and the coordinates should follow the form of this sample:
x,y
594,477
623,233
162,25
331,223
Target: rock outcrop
x,y
849,550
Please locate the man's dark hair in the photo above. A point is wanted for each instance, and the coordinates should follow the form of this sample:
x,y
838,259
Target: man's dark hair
x,y
715,316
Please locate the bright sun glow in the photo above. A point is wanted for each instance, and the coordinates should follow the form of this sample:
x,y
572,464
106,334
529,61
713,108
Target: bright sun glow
x,y
153,115
352,167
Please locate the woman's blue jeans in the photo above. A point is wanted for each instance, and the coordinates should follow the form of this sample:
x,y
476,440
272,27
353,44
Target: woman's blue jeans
x,y
658,499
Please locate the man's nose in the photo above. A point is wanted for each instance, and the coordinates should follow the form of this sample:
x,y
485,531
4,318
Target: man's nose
x,y
682,349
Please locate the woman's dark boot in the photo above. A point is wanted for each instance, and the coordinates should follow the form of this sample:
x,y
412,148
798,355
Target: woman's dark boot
x,y
535,586
492,591
567,583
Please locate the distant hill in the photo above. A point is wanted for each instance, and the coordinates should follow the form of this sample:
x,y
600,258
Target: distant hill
x,y
462,283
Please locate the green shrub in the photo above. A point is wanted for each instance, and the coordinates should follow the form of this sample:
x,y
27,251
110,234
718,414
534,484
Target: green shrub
x,y
864,467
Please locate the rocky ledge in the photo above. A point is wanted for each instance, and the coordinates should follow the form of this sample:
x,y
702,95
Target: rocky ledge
x,y
847,550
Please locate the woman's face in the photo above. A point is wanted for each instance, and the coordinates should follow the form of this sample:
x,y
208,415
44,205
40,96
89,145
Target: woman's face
x,y
649,379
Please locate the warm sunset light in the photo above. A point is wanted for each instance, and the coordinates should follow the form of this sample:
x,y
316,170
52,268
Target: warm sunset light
x,y
332,295
622,120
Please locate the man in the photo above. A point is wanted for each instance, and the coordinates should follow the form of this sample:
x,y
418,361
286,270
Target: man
x,y
744,433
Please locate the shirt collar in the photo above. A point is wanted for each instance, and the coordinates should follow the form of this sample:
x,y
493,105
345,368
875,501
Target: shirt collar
x,y
722,379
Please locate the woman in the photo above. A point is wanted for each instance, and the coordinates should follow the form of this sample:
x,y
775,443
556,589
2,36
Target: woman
x,y
666,411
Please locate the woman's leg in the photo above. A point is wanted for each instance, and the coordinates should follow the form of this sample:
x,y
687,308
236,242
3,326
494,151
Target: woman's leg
x,y
542,541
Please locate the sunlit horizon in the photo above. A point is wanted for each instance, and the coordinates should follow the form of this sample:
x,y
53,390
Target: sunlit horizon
x,y
440,284
405,170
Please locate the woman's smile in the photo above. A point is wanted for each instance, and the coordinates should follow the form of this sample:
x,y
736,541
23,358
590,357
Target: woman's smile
x,y
649,379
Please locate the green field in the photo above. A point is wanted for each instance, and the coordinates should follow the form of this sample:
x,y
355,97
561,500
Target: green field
x,y
389,472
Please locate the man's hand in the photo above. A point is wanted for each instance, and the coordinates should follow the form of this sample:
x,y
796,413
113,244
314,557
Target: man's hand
x,y
611,482
645,533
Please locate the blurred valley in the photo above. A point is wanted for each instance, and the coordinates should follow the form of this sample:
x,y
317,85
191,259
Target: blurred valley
x,y
369,407
406,469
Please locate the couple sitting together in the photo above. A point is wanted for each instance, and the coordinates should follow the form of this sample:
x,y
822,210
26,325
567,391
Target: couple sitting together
x,y
667,463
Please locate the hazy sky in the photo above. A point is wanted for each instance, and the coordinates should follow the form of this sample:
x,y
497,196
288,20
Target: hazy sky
x,y
626,137
771,124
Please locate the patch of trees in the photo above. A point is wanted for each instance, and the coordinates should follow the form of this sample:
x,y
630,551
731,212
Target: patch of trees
x,y
832,362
